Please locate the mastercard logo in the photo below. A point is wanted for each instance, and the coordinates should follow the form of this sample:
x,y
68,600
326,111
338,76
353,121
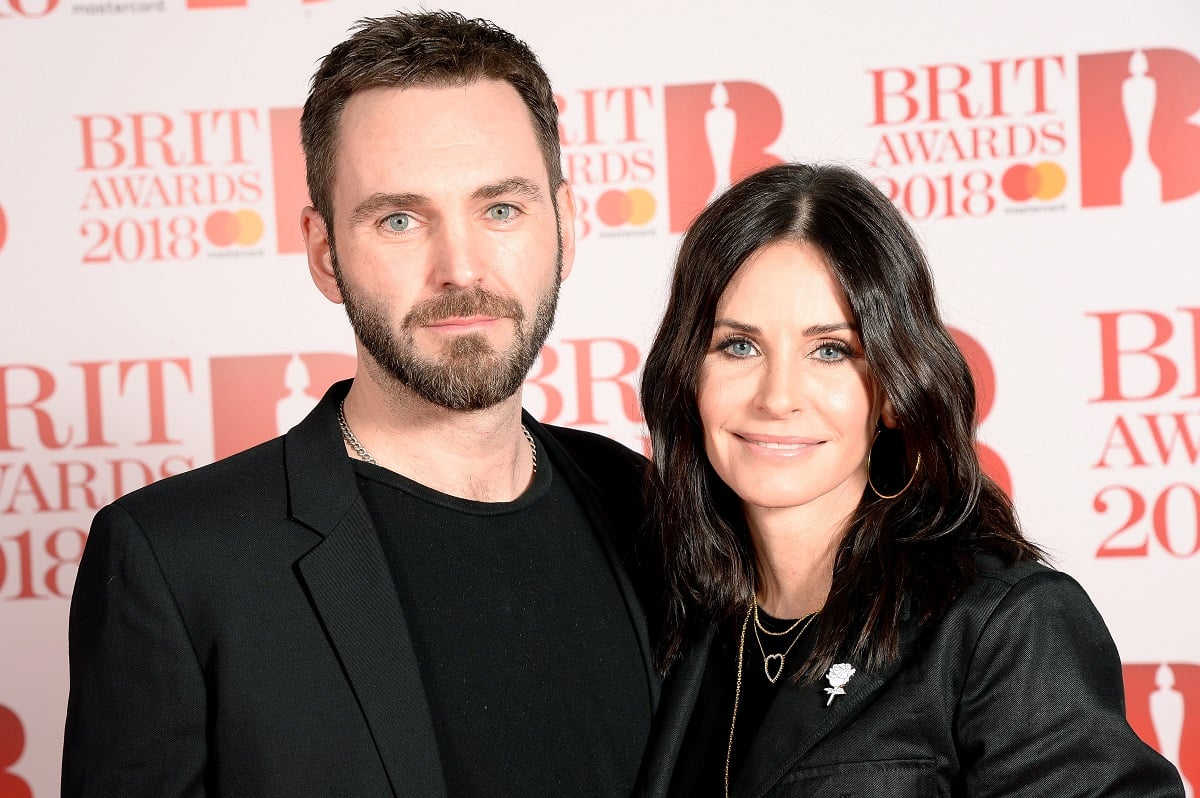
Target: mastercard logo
x,y
3,227
226,228
1022,182
616,207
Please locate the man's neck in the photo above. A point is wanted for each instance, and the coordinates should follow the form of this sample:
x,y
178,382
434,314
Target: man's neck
x,y
480,455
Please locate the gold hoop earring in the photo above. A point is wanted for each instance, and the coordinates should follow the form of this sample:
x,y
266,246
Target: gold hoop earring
x,y
907,485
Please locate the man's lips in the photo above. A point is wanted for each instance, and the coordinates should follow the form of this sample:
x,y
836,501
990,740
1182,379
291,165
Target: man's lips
x,y
455,324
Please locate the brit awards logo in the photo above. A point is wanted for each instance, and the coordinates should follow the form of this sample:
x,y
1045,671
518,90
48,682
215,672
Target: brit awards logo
x,y
644,160
74,437
1139,125
962,140
1162,702
167,187
1148,432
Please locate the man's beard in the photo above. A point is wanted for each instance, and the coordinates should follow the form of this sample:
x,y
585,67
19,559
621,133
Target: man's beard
x,y
469,374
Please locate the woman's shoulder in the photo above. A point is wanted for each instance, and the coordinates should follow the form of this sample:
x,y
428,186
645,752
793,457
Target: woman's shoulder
x,y
1014,581
1022,604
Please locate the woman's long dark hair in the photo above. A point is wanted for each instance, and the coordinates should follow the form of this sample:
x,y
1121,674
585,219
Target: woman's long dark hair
x,y
911,554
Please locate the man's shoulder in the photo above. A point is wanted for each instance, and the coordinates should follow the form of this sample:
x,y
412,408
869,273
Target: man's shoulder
x,y
255,473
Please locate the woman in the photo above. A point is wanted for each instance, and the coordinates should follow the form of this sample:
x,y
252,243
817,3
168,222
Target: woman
x,y
850,608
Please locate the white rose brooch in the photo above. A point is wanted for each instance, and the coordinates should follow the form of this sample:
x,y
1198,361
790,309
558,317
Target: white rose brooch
x,y
838,675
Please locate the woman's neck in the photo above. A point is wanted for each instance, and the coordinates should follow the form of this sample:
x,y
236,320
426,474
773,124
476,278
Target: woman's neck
x,y
794,552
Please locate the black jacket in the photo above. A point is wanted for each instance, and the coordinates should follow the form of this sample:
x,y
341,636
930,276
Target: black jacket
x,y
235,630
1015,693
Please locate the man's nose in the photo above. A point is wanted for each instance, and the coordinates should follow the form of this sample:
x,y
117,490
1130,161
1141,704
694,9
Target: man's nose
x,y
455,255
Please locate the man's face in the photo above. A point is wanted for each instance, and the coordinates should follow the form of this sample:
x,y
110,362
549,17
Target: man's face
x,y
449,249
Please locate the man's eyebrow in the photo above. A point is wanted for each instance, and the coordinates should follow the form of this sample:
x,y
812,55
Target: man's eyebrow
x,y
519,186
373,205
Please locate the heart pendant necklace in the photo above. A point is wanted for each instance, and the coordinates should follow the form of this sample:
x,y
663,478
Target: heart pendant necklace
x,y
773,663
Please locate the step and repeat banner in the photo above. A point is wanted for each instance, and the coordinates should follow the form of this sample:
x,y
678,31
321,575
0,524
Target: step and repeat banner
x,y
156,311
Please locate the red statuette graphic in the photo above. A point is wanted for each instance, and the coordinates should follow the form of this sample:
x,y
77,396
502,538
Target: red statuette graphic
x,y
12,745
1139,124
1162,702
257,397
27,9
985,395
717,133
3,228
287,166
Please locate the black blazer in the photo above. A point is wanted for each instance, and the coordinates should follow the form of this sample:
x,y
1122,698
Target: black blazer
x,y
235,630
1016,692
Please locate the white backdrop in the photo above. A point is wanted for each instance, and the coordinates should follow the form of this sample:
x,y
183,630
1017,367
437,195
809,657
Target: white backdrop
x,y
152,292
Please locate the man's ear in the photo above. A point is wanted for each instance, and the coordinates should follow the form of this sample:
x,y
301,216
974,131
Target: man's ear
x,y
565,196
320,254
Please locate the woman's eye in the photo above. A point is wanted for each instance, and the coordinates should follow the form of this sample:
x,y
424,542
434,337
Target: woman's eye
x,y
501,213
830,352
398,222
740,348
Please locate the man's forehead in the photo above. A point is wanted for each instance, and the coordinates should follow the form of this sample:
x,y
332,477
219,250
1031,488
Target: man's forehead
x,y
481,127
489,104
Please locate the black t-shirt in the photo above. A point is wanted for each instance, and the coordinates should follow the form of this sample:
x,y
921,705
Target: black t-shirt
x,y
533,674
700,769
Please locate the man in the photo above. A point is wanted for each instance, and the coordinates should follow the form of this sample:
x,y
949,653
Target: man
x,y
418,590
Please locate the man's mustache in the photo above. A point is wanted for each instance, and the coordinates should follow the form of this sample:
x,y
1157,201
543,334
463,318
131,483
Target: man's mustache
x,y
473,301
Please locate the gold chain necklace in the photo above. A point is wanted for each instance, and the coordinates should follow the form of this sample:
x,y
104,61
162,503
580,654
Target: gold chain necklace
x,y
360,450
737,694
778,659
767,631
737,690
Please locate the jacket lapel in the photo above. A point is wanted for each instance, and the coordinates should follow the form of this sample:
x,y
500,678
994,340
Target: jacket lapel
x,y
351,589
680,692
803,715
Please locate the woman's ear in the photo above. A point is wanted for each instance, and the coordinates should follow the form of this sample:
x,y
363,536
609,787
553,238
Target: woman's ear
x,y
887,414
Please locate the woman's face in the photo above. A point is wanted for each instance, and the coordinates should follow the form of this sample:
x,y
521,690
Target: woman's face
x,y
785,398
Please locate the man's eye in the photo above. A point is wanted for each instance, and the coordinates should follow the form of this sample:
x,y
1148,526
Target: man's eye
x,y
501,213
398,222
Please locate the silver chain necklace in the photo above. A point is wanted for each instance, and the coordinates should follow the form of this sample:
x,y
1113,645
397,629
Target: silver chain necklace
x,y
360,450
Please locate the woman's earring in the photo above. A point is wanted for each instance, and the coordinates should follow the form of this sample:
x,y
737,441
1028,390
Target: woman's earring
x,y
907,485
